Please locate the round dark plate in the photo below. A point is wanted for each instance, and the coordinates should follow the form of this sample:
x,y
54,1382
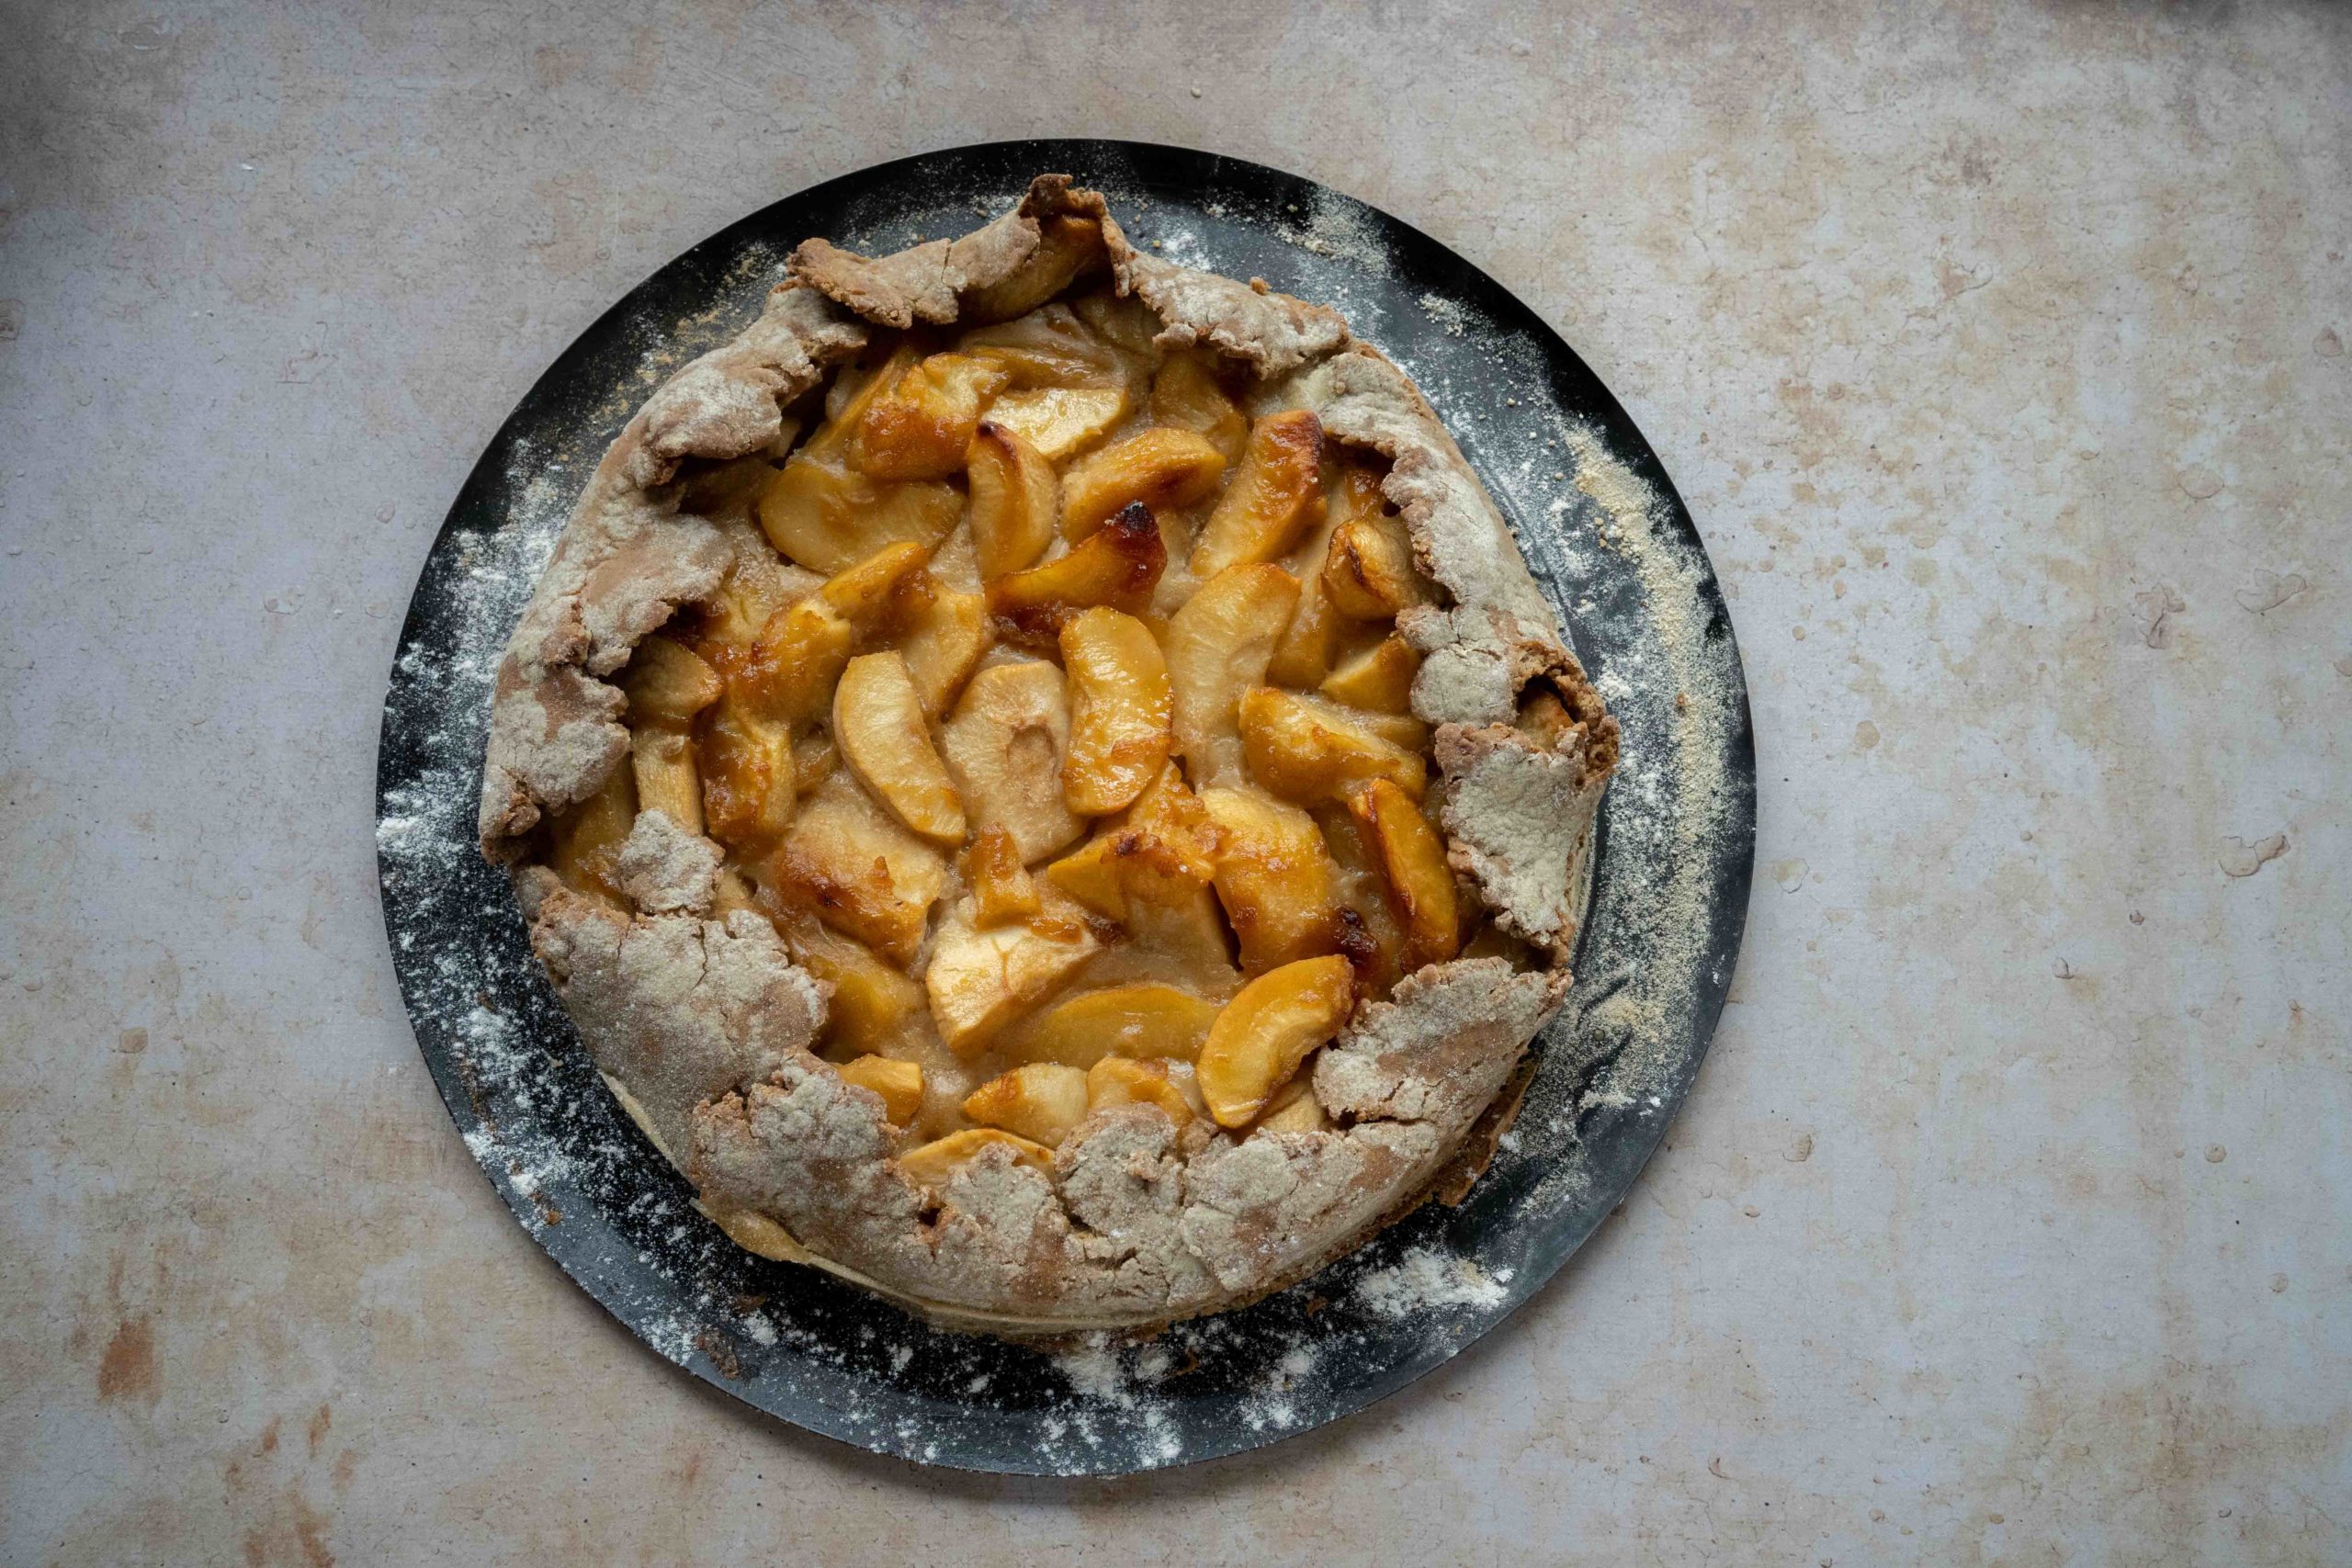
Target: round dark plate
x,y
1618,555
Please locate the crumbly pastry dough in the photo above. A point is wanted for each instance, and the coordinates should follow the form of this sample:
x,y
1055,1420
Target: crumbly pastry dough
x,y
715,1040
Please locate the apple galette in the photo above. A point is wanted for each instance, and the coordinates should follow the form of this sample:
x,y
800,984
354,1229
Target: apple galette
x,y
1044,782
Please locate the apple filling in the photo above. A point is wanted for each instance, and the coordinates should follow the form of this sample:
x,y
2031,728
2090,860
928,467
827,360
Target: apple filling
x,y
1069,737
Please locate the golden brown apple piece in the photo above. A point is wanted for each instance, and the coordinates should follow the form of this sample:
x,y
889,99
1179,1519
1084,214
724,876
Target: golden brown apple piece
x,y
749,785
1067,249
1273,498
1004,747
1302,655
1061,421
1016,499
850,864
1160,853
1412,856
1369,936
946,633
874,1006
1187,395
1121,1080
585,840
814,758
1293,1109
1308,751
1219,644
1117,565
1143,1019
1123,321
1369,571
1119,700
979,981
922,427
1379,679
826,516
1263,1033
1275,878
668,683
1039,1100
1002,889
667,778
790,671
878,724
934,1164
1162,468
898,1084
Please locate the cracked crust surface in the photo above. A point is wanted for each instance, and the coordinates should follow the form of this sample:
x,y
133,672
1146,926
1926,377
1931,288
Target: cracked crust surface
x,y
707,1030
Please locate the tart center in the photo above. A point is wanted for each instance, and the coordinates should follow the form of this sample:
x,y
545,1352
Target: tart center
x,y
1061,723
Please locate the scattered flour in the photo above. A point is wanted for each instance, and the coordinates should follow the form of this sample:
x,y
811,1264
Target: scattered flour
x,y
1426,1279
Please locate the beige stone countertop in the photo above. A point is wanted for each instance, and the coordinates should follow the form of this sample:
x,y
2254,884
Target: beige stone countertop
x,y
2000,351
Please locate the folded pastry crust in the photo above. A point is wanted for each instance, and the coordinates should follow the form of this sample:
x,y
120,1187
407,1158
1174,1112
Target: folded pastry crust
x,y
707,1030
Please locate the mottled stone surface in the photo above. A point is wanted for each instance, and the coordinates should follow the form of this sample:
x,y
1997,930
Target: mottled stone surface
x,y
2001,353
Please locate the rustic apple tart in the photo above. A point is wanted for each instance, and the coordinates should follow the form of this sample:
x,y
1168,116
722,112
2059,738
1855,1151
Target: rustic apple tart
x,y
1044,782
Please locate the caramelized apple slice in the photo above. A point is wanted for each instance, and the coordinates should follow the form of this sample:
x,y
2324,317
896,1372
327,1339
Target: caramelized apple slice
x,y
1219,644
1293,1109
1121,1021
1002,889
1119,732
1369,570
1124,321
1303,657
1186,395
814,758
874,1005
1162,468
1121,1080
1380,679
827,516
878,724
850,864
1369,935
667,779
922,427
1004,747
1061,421
587,838
1308,751
1275,878
1420,883
1159,855
1117,565
1277,493
946,633
934,1164
852,392
979,981
668,683
748,787
1016,499
792,667
1263,1033
1066,248
1039,1100
898,1084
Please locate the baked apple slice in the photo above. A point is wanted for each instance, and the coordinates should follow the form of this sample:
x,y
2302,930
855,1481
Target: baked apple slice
x,y
933,1165
1219,644
1002,889
1308,751
874,1005
1117,565
1412,857
1187,395
922,425
1276,1022
1275,878
1016,499
850,864
1119,718
898,1084
981,980
1039,1100
1160,468
1005,749
1273,498
1142,1019
878,724
1123,1080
